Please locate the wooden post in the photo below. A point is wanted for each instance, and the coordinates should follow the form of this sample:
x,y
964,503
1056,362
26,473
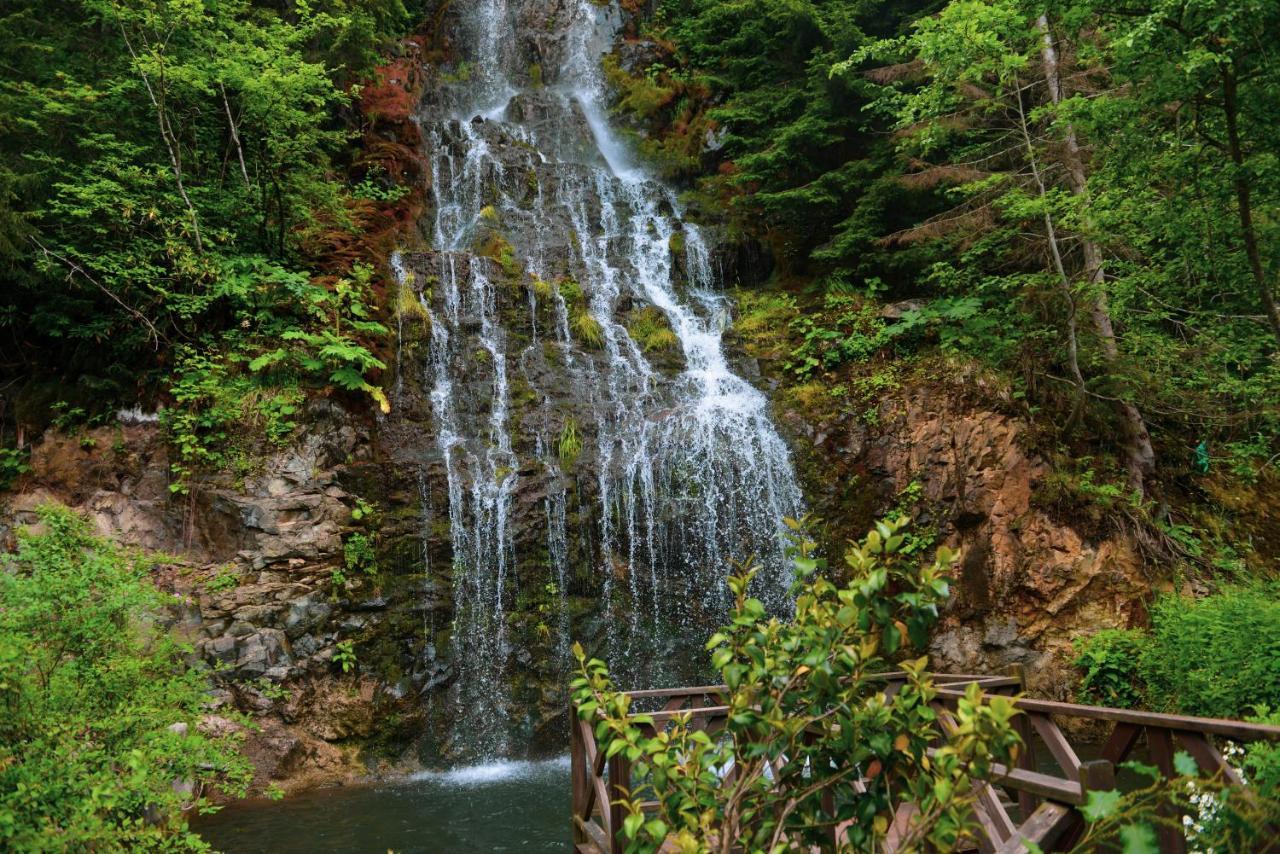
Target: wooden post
x,y
1160,741
619,788
1027,802
577,773
1019,672
1097,775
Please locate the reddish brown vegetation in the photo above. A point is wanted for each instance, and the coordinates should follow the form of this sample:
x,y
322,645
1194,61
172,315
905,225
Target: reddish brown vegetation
x,y
391,146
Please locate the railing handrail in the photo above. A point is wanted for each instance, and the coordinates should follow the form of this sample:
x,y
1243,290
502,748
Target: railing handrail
x,y
1225,727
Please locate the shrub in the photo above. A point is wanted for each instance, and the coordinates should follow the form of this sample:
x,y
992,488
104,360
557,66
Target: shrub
x,y
845,330
542,289
344,655
13,464
1218,656
1111,662
1262,761
98,710
807,714
649,328
359,554
571,292
226,578
569,444
589,330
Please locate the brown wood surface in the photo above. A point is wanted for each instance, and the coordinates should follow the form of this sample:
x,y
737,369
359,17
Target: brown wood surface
x,y
1043,828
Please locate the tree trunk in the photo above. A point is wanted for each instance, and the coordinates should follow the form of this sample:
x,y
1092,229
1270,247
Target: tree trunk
x,y
1064,281
235,137
1231,107
170,140
1141,457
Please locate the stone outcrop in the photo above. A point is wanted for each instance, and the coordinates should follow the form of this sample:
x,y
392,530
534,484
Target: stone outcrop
x,y
1028,582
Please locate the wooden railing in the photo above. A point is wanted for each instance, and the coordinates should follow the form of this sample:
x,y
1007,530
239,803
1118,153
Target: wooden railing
x,y
1036,801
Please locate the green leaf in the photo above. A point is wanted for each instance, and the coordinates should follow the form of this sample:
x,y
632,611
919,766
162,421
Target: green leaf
x,y
657,829
1185,765
1139,839
1100,804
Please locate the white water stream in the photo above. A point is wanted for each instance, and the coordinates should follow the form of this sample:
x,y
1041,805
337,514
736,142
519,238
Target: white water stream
x,y
687,472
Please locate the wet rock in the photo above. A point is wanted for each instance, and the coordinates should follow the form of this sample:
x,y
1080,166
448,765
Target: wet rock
x,y
895,310
635,56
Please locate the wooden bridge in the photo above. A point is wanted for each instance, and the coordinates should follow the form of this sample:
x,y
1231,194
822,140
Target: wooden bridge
x,y
1036,801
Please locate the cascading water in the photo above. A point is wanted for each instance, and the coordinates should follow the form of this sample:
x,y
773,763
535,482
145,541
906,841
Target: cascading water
x,y
649,472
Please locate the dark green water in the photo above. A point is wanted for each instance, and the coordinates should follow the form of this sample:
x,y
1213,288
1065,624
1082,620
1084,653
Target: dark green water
x,y
506,806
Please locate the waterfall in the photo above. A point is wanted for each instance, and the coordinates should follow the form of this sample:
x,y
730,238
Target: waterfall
x,y
650,468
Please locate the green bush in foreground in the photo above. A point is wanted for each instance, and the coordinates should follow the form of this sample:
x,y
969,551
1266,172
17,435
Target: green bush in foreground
x,y
1110,662
1218,656
94,693
808,716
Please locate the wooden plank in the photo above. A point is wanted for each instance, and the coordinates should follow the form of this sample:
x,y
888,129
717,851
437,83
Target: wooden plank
x,y
1057,743
597,801
619,789
957,683
1043,828
888,676
697,690
996,825
1044,785
597,840
901,827
577,773
1027,801
676,702
704,712
1121,742
949,685
1097,775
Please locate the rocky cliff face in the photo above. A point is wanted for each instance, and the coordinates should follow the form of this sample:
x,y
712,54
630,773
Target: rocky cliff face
x,y
1029,581
254,561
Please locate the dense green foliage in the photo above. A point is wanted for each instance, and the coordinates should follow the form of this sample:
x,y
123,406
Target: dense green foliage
x,y
808,714
1218,656
793,154
172,184
1077,194
99,710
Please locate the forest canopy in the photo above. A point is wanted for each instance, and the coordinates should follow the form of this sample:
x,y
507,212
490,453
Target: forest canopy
x,y
174,178
1081,195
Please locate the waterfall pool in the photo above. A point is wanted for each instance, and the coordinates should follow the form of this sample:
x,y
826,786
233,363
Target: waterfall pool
x,y
501,806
